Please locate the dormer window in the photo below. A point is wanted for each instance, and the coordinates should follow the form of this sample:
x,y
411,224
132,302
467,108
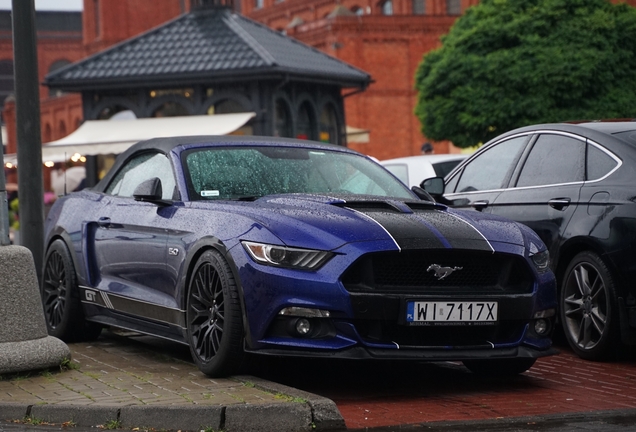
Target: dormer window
x,y
419,7
387,7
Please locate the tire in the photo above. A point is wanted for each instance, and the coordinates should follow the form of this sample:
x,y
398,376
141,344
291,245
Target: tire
x,y
214,318
588,307
63,311
500,367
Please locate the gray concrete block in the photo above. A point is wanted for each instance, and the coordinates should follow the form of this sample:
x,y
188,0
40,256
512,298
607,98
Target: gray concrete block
x,y
24,343
283,417
34,354
172,417
13,411
81,415
21,314
325,413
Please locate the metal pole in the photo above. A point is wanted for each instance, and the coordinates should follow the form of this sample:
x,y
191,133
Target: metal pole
x,y
30,184
4,205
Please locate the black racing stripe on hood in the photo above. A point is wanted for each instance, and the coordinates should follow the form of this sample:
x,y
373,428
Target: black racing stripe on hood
x,y
407,231
426,229
459,233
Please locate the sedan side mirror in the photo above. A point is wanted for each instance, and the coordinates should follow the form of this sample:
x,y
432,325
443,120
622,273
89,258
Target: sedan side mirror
x,y
151,191
434,186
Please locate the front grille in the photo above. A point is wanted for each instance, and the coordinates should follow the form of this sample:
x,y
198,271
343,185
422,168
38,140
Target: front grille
x,y
379,331
408,272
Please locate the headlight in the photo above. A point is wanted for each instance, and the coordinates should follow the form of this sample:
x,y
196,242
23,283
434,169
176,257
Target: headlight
x,y
281,256
541,260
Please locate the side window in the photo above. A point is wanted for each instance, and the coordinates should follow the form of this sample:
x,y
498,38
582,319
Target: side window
x,y
554,159
140,169
599,163
488,170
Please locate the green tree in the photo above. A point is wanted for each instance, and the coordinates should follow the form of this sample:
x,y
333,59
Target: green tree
x,y
511,63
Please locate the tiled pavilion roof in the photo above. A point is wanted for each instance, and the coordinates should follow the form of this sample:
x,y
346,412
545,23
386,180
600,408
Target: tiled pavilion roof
x,y
204,46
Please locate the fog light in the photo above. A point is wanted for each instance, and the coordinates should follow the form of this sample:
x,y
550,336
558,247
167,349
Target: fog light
x,y
303,326
541,326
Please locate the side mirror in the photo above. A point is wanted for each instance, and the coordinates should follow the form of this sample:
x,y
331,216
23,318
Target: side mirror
x,y
149,190
434,186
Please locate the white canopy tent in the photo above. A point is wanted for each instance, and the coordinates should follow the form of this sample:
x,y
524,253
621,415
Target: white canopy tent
x,y
95,137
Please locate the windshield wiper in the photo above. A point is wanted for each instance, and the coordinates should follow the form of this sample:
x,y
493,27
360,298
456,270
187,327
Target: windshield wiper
x,y
246,198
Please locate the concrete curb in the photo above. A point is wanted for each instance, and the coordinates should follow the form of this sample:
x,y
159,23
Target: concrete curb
x,y
303,412
546,422
324,412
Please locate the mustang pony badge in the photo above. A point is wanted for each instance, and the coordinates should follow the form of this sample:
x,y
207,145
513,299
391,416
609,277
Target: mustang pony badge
x,y
442,272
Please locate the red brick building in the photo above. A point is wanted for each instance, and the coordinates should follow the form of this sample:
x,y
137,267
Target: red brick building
x,y
385,38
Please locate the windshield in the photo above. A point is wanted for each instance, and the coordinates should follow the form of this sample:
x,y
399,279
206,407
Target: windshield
x,y
252,172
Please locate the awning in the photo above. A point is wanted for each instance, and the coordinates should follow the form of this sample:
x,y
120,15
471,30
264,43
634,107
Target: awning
x,y
95,137
357,135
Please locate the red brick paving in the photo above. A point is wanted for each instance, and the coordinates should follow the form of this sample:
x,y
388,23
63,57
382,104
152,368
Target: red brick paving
x,y
558,384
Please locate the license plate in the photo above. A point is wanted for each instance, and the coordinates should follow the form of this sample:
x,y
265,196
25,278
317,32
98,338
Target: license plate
x,y
450,312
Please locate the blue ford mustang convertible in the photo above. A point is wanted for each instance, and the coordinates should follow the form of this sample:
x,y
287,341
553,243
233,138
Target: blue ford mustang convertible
x,y
237,245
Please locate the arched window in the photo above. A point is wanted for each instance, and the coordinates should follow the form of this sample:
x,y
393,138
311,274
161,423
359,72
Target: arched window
x,y
59,64
170,109
453,7
357,10
226,106
306,128
61,129
282,120
329,125
47,137
419,7
387,7
6,80
110,111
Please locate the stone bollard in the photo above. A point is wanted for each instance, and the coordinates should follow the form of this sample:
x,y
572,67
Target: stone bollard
x,y
24,342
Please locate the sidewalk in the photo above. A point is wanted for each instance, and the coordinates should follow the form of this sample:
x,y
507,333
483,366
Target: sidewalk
x,y
120,382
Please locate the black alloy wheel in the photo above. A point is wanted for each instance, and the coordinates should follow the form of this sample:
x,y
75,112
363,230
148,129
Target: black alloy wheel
x,y
60,298
214,319
588,307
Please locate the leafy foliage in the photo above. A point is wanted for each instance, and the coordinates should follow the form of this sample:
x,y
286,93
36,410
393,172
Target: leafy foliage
x,y
510,63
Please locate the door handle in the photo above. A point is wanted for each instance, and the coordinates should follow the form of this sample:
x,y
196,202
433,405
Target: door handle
x,y
103,222
480,205
559,203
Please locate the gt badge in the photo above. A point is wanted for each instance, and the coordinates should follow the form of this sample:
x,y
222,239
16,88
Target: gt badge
x,y
90,295
441,272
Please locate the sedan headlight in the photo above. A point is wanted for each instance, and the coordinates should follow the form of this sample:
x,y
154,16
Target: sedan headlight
x,y
282,256
541,260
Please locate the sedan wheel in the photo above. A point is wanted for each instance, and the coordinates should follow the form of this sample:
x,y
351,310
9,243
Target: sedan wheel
x,y
215,328
588,307
60,296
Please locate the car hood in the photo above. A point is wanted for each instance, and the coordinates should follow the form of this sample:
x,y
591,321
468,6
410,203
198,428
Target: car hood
x,y
327,223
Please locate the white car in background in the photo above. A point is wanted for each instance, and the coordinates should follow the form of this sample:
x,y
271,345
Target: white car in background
x,y
412,170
